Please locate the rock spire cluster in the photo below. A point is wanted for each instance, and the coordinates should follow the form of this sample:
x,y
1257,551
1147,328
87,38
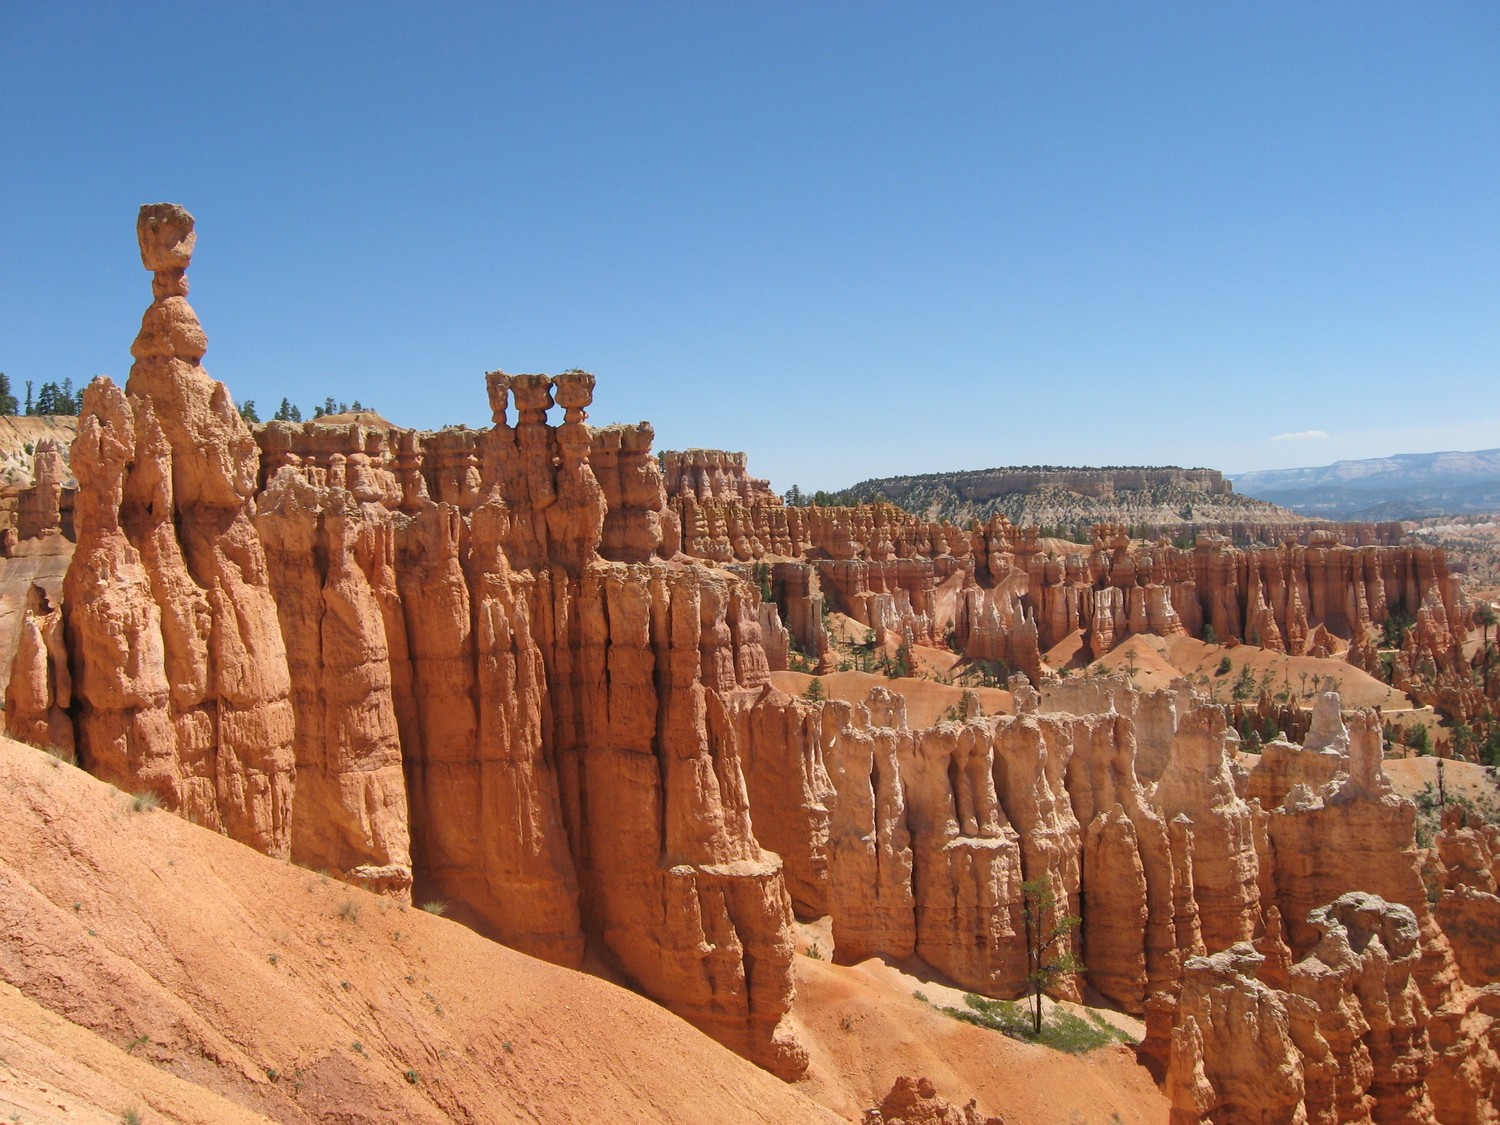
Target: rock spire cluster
x,y
527,670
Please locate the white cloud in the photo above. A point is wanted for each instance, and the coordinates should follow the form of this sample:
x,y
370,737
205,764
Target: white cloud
x,y
1302,435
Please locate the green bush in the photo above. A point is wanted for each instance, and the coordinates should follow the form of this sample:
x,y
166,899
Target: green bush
x,y
1244,683
1061,1030
1397,624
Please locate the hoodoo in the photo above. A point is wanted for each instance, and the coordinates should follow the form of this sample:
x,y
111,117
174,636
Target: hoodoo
x,y
529,670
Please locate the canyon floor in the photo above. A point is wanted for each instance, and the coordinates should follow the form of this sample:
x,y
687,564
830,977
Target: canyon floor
x,y
156,971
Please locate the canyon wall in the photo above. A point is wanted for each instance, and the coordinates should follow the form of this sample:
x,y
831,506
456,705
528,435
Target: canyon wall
x,y
924,842
403,658
1002,593
494,667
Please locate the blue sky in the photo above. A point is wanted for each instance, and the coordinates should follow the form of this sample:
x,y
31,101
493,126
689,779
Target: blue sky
x,y
852,239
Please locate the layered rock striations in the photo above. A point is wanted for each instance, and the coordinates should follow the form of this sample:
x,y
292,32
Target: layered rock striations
x,y
999,592
181,674
498,667
404,656
1336,1036
919,841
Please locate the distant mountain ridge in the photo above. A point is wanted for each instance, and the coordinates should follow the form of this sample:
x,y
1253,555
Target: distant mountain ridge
x,y
1403,486
1158,496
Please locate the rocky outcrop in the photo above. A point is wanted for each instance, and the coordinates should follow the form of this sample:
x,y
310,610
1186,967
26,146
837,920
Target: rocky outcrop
x,y
182,681
1468,906
21,437
326,560
1322,757
915,1101
1356,834
485,666
408,659
1001,593
1198,785
41,509
710,475
1353,834
1339,1036
40,689
919,840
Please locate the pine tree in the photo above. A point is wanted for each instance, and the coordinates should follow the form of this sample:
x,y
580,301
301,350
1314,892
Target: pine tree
x,y
8,403
248,412
1046,929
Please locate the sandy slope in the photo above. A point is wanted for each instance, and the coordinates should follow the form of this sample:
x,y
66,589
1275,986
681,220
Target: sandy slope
x,y
149,964
296,997
1158,659
53,1071
863,1028
926,700
1478,784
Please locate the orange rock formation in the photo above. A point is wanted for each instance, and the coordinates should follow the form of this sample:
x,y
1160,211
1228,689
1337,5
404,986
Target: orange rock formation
x,y
1003,593
915,1101
489,666
182,681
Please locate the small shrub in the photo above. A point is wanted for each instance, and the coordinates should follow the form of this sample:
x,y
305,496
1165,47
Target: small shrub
x,y
1224,668
1062,1030
814,692
814,953
272,1073
411,1075
1395,627
272,959
349,910
359,1048
1244,684
130,1116
345,985
901,668
136,1044
436,906
59,754
145,799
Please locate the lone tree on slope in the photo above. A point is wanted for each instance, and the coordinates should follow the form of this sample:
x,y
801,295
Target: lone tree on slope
x,y
1046,929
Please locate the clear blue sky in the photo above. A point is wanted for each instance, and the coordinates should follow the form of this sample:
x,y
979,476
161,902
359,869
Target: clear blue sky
x,y
853,239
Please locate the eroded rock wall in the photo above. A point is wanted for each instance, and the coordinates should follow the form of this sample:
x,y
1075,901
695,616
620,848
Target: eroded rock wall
x,y
1004,593
1337,1036
484,666
182,683
429,658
